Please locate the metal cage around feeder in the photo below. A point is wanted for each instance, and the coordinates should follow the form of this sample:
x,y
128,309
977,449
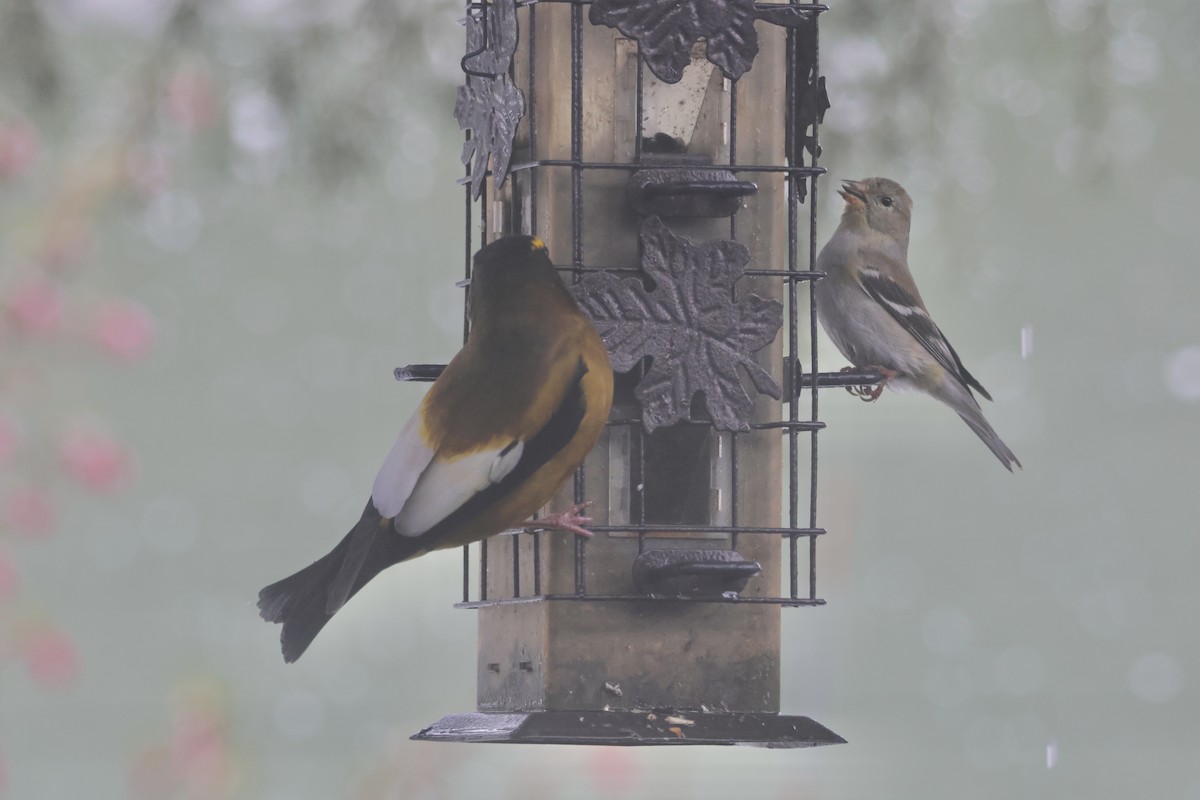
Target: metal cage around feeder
x,y
663,150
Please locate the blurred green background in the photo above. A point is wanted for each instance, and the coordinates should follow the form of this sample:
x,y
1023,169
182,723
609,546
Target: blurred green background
x,y
222,224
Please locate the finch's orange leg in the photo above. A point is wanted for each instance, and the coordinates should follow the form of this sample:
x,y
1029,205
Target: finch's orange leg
x,y
869,394
569,520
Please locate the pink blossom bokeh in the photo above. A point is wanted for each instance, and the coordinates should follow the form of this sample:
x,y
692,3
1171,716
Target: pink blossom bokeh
x,y
10,579
10,437
148,170
51,659
191,100
612,770
18,148
35,305
123,329
195,758
29,512
96,460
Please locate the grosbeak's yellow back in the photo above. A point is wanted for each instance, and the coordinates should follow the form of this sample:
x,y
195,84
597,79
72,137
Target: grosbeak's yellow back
x,y
510,418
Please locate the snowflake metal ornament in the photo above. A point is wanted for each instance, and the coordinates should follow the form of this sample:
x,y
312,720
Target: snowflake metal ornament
x,y
690,326
488,104
666,30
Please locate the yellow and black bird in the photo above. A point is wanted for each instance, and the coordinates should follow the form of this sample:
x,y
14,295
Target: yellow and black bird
x,y
510,418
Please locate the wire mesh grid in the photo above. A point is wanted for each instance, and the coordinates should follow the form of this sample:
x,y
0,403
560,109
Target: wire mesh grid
x,y
800,171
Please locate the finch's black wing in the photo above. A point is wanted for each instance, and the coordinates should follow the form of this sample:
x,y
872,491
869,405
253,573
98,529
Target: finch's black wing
x,y
912,316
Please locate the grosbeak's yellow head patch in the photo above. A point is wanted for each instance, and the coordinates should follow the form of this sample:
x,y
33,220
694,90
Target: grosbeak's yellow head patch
x,y
537,244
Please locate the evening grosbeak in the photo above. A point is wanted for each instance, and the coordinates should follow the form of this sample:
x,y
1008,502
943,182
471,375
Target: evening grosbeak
x,y
869,305
510,418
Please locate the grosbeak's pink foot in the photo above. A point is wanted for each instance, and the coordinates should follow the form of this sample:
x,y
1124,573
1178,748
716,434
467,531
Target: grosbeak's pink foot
x,y
569,520
869,394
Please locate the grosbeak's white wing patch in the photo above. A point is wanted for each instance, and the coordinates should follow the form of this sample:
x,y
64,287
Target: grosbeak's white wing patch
x,y
448,483
405,462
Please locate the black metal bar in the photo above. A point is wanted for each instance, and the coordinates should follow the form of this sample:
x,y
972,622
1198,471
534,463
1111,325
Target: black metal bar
x,y
733,151
812,332
639,106
817,7
790,135
718,188
801,171
814,7
483,569
422,373
733,494
483,212
787,425
466,573
735,483
790,602
537,562
795,275
483,26
732,123
532,117
467,260
580,542
832,380
466,332
639,133
782,425
640,485
577,133
425,373
654,528
766,6
577,231
516,564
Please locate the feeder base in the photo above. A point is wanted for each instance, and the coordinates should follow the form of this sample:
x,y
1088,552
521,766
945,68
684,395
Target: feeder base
x,y
629,728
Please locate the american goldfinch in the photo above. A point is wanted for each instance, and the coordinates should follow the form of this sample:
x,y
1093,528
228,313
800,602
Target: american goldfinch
x,y
511,417
869,305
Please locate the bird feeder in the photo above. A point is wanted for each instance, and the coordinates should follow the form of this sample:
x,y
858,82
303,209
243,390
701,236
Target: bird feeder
x,y
666,152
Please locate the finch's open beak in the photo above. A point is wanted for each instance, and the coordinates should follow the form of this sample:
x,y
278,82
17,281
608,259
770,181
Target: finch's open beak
x,y
852,192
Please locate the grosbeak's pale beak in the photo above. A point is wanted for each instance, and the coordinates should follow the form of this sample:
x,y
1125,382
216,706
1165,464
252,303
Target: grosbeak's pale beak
x,y
510,418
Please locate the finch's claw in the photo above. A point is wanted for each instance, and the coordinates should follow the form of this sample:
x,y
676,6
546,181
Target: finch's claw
x,y
569,520
861,392
869,394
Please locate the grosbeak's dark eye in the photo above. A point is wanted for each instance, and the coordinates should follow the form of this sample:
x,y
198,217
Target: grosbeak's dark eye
x,y
886,201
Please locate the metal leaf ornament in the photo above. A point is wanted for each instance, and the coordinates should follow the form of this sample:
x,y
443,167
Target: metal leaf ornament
x,y
488,104
666,30
689,324
812,99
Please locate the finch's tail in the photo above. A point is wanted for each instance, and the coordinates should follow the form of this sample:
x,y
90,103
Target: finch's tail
x,y
302,602
985,432
960,399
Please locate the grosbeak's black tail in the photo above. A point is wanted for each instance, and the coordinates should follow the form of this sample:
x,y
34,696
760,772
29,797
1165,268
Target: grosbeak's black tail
x,y
304,602
298,601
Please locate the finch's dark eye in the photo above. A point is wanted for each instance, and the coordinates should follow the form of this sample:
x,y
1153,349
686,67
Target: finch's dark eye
x,y
886,201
